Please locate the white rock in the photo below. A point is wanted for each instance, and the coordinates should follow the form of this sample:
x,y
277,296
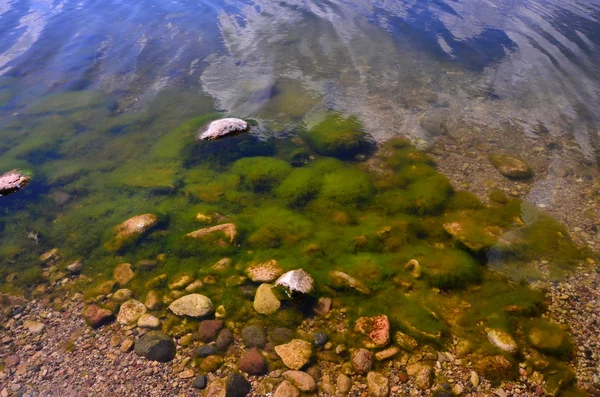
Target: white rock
x,y
193,305
224,127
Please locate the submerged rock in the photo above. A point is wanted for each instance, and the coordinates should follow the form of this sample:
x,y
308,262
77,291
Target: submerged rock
x,y
96,316
511,167
130,230
502,340
343,280
362,361
265,272
286,389
12,181
237,385
265,301
156,346
301,380
378,385
193,305
224,127
296,281
254,336
294,354
130,312
253,363
228,229
377,328
123,274
75,267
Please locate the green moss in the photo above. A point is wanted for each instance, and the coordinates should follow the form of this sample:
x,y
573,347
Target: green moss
x,y
549,338
68,102
498,196
337,136
462,200
347,187
261,173
300,186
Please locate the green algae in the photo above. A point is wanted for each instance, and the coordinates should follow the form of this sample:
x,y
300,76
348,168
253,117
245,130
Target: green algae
x,y
69,102
337,136
261,173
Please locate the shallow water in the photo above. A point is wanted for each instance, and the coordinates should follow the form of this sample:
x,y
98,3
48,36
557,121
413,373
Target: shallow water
x,y
100,103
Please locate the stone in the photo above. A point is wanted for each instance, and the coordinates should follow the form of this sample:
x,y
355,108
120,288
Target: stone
x,y
180,281
362,361
264,272
303,381
34,327
194,286
126,346
50,257
323,306
474,378
153,300
122,295
211,363
495,367
131,230
209,329
130,312
156,346
405,342
549,339
422,373
286,389
206,351
188,373
377,328
192,305
75,267
12,361
387,353
511,167
200,382
228,229
296,281
320,338
147,320
294,354
216,388
123,274
146,265
224,339
254,336
96,316
224,127
280,335
344,383
265,301
104,288
253,363
12,181
237,385
326,385
502,339
343,280
378,385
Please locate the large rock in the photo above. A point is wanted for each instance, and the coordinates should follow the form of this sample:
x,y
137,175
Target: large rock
x,y
296,281
193,305
123,274
224,127
130,230
264,272
295,354
12,181
379,385
130,312
228,229
254,336
155,346
377,328
253,363
362,361
301,380
502,339
237,386
96,316
343,280
265,301
511,167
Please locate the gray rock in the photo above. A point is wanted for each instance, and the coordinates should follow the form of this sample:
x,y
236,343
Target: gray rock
x,y
254,336
200,382
224,127
155,346
320,338
205,351
237,386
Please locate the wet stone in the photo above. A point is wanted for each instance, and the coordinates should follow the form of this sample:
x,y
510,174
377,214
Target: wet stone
x,y
206,351
254,336
303,381
320,338
155,346
362,361
224,339
253,363
280,336
294,354
237,386
209,329
96,316
200,382
286,389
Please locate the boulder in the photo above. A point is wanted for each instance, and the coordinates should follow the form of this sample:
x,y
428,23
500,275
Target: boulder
x,y
294,354
265,301
264,272
303,381
253,363
228,229
130,312
296,281
209,329
511,167
193,305
377,328
96,316
502,339
123,274
155,346
362,361
286,389
224,127
378,385
131,230
237,386
12,181
343,280
254,336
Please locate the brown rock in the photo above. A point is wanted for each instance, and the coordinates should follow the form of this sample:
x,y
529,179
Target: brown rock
x,y
264,272
294,354
362,361
286,389
211,363
12,361
253,363
379,385
123,274
323,306
95,316
130,230
228,229
301,380
344,384
377,328
209,329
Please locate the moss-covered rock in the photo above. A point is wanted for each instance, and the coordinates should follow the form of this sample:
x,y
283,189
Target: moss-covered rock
x,y
337,136
300,186
346,187
511,167
549,338
261,173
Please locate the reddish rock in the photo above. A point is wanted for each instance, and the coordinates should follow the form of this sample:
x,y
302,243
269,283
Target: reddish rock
x,y
253,363
95,316
377,328
362,361
209,329
12,361
12,181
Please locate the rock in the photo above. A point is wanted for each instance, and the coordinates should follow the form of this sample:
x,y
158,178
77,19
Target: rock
x,y
193,305
254,336
344,383
122,295
286,389
130,312
12,361
228,229
180,281
495,367
414,268
224,339
343,280
458,389
323,306
362,361
326,385
377,328
294,354
131,230
224,127
423,375
123,274
34,327
104,288
206,351
387,353
148,321
405,342
96,316
265,301
253,363
194,286
264,272
474,378
379,385
209,329
511,167
320,338
296,281
502,339
156,346
237,385
153,300
75,267
216,388
200,382
50,257
188,373
146,265
280,335
303,381
549,339
12,181
211,363
126,345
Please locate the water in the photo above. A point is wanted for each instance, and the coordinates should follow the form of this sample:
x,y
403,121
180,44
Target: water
x,y
100,102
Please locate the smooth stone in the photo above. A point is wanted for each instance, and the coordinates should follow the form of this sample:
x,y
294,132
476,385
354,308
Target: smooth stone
x,y
35,327
320,338
130,312
254,336
343,280
265,301
224,339
502,339
200,382
378,385
153,300
387,353
511,167
122,295
237,386
123,274
192,305
75,267
180,282
362,361
344,383
96,316
156,346
209,329
286,389
207,350
147,320
221,128
253,363
228,229
294,354
131,229
303,381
